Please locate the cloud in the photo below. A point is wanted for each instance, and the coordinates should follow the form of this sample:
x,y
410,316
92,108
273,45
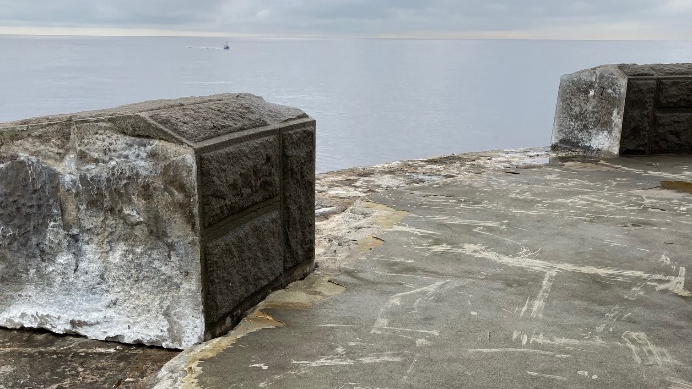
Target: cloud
x,y
441,18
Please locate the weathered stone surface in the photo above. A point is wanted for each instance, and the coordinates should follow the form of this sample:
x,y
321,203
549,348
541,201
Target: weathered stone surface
x,y
299,207
124,224
589,110
654,117
634,70
676,93
238,177
203,121
672,69
91,244
240,263
638,116
673,133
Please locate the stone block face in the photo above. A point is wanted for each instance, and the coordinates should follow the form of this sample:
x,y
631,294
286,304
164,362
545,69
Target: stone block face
x,y
654,116
299,208
152,223
240,263
673,133
638,117
676,93
589,110
237,177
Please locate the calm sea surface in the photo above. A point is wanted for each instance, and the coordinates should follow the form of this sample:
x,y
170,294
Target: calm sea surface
x,y
374,100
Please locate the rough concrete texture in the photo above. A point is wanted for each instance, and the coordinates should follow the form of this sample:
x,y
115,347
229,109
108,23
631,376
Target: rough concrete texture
x,y
110,218
626,109
566,275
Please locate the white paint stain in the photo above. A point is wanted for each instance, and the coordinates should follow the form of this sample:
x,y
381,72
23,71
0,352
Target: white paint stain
x,y
382,322
422,342
526,306
677,284
643,351
555,377
481,230
517,350
665,259
566,342
676,383
342,361
453,220
539,304
481,251
415,231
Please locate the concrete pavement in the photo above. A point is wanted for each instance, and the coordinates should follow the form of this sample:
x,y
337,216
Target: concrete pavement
x,y
566,275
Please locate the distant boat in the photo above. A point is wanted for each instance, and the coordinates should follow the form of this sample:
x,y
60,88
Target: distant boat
x,y
225,46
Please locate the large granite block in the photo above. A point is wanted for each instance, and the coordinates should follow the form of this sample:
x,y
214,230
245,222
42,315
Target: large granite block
x,y
155,223
589,111
650,115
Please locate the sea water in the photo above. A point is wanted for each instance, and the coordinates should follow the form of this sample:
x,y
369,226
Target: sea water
x,y
374,100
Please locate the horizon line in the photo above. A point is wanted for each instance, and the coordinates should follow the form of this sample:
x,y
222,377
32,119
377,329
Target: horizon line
x,y
145,32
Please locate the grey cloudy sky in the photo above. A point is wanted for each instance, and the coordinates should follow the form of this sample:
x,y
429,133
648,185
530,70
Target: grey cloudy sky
x,y
543,19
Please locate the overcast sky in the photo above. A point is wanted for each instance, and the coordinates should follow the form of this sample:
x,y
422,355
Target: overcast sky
x,y
541,19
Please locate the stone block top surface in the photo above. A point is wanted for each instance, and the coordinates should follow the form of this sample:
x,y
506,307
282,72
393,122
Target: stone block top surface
x,y
187,120
657,70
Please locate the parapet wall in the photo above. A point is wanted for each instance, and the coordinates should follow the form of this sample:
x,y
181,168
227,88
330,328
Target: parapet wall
x,y
156,223
625,109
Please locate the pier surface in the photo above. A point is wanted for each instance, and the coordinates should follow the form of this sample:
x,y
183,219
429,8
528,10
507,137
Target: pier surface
x,y
569,274
483,270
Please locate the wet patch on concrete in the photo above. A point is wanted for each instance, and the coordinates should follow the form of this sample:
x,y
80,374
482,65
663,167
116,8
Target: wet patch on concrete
x,y
678,186
183,371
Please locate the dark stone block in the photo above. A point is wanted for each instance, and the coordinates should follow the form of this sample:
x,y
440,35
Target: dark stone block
x,y
673,133
638,116
675,93
636,129
672,69
299,199
240,263
641,94
634,70
237,177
